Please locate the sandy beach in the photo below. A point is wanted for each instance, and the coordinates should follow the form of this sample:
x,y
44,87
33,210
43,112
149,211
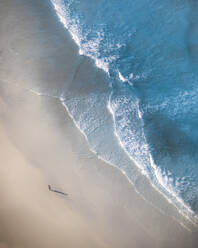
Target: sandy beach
x,y
41,146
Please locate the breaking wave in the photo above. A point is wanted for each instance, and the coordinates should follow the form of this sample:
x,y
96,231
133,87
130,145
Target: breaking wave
x,y
153,97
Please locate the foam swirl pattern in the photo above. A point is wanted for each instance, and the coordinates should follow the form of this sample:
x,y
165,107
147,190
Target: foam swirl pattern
x,y
149,50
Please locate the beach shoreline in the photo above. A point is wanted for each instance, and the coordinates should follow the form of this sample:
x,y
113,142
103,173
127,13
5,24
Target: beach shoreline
x,y
103,207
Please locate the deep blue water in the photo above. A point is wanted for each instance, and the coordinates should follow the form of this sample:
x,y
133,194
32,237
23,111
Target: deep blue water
x,y
149,49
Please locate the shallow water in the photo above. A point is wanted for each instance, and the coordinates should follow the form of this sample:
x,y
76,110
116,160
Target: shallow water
x,y
149,51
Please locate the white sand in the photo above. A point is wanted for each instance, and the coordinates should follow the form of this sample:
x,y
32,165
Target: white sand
x,y
31,216
40,145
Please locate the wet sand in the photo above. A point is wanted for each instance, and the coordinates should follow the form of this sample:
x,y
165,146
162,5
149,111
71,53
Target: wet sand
x,y
40,145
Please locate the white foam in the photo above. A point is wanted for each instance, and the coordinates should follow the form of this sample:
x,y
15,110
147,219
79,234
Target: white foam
x,y
123,79
162,180
90,48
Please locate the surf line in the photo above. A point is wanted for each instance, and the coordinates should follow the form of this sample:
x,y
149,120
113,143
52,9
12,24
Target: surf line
x,y
56,191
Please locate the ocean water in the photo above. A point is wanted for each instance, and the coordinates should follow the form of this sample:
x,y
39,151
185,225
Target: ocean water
x,y
149,51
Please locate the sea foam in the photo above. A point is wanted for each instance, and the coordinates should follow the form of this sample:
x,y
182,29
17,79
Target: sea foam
x,y
153,99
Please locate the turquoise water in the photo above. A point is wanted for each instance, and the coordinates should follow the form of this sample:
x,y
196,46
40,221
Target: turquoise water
x,y
149,51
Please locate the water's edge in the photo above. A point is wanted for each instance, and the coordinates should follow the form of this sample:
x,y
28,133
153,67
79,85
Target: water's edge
x,y
106,99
